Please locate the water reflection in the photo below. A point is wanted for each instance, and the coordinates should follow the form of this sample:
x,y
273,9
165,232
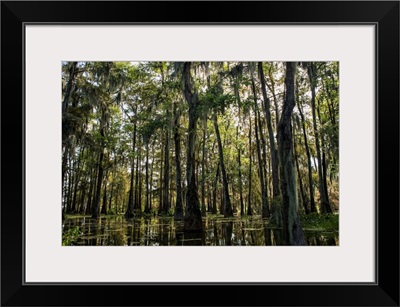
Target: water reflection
x,y
164,231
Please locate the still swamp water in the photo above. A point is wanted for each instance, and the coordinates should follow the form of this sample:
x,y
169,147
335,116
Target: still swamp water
x,y
164,231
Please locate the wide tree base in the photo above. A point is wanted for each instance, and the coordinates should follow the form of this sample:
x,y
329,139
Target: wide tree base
x,y
178,216
193,224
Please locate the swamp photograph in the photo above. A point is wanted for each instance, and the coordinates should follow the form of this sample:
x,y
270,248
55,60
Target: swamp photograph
x,y
200,153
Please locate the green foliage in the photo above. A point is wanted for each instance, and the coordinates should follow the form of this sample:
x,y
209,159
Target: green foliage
x,y
150,127
170,212
215,99
70,237
211,216
112,211
322,222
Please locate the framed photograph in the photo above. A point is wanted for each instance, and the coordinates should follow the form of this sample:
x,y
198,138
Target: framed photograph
x,y
240,153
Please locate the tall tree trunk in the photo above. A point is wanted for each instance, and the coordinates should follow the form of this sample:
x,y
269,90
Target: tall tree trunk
x,y
73,69
266,209
129,211
313,208
111,195
264,201
151,175
261,124
272,89
325,206
240,183
324,174
214,203
302,194
96,202
330,103
192,219
140,193
82,198
95,175
273,150
237,96
104,206
65,134
249,209
137,205
77,180
117,198
112,182
178,172
331,100
69,187
209,198
331,106
160,199
171,188
166,168
324,166
292,230
91,187
147,205
203,172
228,212
64,170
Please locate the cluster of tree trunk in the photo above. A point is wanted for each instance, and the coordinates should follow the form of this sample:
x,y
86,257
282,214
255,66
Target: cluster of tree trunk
x,y
128,128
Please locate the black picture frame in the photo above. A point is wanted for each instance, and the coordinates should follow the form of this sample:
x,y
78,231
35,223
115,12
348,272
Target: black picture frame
x,y
383,14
